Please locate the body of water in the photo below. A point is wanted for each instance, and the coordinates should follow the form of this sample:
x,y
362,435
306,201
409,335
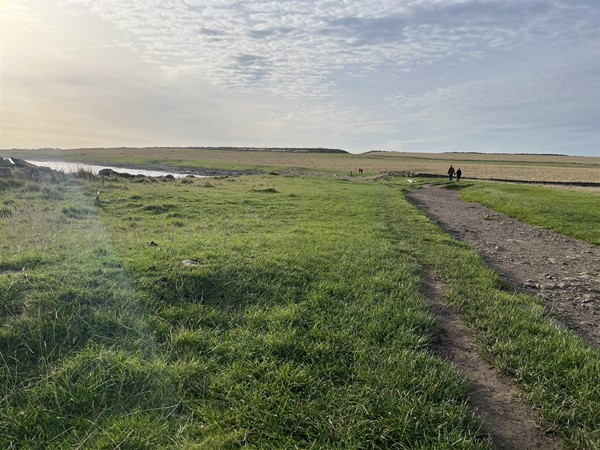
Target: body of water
x,y
72,167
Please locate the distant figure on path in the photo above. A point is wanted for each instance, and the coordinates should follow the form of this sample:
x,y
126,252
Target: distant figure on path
x,y
360,171
458,174
451,172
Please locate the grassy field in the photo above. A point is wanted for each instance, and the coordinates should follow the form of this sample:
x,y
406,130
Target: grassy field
x,y
572,213
501,166
264,311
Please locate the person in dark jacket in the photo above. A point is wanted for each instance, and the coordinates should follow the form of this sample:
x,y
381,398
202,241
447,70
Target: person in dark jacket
x,y
458,174
451,172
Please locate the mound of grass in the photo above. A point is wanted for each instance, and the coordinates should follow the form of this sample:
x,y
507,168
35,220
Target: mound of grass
x,y
22,261
77,212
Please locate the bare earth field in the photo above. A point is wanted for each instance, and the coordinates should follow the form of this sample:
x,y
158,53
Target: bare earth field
x,y
544,168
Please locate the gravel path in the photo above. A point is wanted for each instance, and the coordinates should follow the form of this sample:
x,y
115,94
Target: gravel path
x,y
563,271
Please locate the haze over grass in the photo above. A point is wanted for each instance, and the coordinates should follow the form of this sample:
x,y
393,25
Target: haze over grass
x,y
265,311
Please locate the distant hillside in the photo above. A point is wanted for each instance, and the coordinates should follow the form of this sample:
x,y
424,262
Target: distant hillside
x,y
233,149
275,149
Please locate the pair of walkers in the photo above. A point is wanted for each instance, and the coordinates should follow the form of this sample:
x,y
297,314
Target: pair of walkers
x,y
452,172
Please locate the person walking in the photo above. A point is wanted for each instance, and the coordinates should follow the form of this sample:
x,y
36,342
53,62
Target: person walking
x,y
458,174
451,172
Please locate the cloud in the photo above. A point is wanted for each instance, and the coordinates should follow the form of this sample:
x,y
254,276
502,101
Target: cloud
x,y
356,74
297,44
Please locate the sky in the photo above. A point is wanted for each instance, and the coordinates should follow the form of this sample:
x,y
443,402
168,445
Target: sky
x,y
511,76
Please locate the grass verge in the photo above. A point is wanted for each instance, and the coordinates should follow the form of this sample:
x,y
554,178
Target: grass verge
x,y
555,369
569,212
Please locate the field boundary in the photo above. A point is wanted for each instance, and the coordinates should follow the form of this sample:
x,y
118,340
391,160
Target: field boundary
x,y
502,180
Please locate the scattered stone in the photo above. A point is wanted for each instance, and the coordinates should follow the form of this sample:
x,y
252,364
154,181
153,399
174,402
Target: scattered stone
x,y
587,298
190,262
547,287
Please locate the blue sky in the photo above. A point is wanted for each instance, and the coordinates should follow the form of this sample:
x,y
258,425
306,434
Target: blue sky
x,y
417,75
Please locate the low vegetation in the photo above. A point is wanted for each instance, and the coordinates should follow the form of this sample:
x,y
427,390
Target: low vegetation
x,y
568,212
548,168
266,311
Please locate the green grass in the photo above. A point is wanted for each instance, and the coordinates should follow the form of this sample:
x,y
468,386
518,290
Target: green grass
x,y
297,321
569,212
286,331
556,370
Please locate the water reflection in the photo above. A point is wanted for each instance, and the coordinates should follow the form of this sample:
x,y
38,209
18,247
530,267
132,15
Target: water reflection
x,y
72,167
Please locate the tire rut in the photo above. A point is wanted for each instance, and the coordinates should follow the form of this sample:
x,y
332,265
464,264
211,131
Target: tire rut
x,y
511,423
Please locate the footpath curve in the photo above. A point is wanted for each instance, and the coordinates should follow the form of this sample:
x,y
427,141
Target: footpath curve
x,y
562,271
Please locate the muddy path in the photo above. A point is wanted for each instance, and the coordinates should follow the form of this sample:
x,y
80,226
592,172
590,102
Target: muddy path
x,y
562,271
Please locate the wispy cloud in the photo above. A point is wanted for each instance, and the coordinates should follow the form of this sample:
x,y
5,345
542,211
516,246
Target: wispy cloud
x,y
343,73
290,48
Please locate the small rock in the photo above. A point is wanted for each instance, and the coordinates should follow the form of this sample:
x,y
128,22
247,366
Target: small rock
x,y
190,262
547,287
587,298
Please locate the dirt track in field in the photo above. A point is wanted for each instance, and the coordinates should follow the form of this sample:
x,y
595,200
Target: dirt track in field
x,y
506,417
563,272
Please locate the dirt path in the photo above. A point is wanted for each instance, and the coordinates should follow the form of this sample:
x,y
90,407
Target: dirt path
x,y
563,271
506,417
